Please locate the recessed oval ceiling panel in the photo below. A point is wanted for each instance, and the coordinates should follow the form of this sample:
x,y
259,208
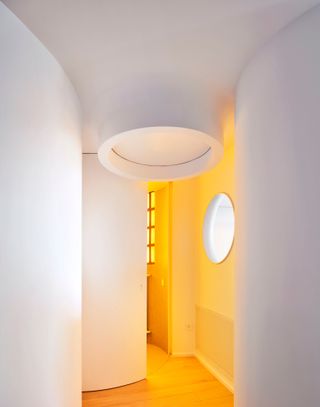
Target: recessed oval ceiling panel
x,y
160,153
160,132
162,146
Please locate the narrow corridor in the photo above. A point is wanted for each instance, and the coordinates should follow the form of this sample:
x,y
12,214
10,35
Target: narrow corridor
x,y
179,382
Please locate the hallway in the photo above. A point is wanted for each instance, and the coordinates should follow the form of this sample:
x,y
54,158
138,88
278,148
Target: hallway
x,y
180,382
159,211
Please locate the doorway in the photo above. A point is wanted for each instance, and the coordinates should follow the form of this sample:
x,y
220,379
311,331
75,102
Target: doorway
x,y
158,275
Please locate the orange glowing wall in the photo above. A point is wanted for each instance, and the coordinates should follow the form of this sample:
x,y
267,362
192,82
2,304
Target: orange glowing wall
x,y
203,292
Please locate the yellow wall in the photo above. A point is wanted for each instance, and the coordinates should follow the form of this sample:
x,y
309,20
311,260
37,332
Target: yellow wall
x,y
215,282
209,287
202,293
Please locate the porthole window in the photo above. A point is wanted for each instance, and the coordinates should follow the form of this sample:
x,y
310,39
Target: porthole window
x,y
218,228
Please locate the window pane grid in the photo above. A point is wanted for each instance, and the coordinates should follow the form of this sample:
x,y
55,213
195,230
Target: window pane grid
x,y
151,221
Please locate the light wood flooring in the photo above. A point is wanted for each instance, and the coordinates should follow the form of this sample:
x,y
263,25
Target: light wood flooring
x,y
156,358
178,382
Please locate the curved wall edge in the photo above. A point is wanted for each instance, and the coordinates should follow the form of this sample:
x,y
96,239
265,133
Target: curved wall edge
x,y
277,280
114,278
40,217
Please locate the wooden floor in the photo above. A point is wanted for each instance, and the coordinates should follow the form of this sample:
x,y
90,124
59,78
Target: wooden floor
x,y
156,358
179,382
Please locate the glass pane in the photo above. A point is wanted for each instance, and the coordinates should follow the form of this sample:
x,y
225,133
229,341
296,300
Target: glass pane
x,y
152,199
153,218
148,255
153,254
152,236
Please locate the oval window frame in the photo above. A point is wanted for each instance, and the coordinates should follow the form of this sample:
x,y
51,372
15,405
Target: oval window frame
x,y
208,224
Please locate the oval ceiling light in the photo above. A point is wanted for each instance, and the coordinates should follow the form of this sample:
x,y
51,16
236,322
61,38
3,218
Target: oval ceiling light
x,y
133,147
160,153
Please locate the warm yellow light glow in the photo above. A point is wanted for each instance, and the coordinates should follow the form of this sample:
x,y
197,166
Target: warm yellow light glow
x,y
228,125
159,306
152,254
215,282
152,236
151,220
148,255
156,185
152,199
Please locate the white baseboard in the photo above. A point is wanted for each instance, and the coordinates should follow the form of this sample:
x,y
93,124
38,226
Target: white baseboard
x,y
216,371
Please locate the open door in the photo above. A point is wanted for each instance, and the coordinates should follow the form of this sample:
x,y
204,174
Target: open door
x,y
114,278
158,267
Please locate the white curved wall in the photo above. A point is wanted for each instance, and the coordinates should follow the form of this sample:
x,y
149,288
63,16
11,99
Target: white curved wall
x,y
278,278
114,278
40,218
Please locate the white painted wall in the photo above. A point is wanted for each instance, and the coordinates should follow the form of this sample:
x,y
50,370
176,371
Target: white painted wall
x,y
114,278
40,218
278,276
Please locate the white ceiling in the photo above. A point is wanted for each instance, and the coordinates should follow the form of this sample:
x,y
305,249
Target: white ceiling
x,y
111,48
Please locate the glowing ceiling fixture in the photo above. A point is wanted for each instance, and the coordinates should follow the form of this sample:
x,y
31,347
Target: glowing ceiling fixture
x,y
137,143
